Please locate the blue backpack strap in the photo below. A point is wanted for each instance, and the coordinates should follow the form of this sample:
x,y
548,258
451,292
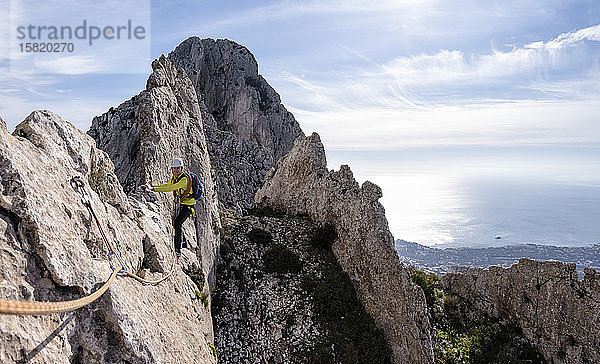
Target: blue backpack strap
x,y
201,187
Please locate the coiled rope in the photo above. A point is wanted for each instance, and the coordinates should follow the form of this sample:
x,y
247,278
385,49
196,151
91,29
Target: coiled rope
x,y
13,307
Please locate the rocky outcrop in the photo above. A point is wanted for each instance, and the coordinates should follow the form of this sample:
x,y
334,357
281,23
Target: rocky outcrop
x,y
249,129
51,250
225,75
245,127
118,133
146,132
301,184
558,313
261,316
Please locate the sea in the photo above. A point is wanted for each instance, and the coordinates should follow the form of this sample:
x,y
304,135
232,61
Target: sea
x,y
482,196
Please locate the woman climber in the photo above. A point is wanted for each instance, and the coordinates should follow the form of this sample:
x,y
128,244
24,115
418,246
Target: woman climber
x,y
186,189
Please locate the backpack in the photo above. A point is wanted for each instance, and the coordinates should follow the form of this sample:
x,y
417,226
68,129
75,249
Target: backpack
x,y
195,189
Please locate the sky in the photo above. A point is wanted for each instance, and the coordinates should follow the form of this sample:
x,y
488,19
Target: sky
x,y
378,76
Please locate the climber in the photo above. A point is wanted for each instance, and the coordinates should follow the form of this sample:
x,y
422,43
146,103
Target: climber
x,y
180,184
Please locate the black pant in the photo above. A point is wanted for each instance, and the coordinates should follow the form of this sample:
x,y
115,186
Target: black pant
x,y
184,212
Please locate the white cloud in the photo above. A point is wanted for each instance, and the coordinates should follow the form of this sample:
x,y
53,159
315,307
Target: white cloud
x,y
425,68
495,123
450,98
454,66
572,38
70,65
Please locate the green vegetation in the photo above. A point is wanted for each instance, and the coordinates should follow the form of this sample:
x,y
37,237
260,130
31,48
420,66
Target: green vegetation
x,y
260,237
323,236
431,285
480,340
353,336
281,259
98,177
202,296
197,276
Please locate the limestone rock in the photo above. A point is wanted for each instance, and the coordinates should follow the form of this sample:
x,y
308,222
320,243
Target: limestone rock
x,y
248,129
245,127
143,134
558,313
225,74
118,133
301,184
51,249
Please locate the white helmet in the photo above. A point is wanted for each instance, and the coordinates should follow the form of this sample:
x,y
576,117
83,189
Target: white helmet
x,y
176,162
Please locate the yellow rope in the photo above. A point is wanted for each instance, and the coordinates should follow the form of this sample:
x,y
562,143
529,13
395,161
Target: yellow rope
x,y
145,281
12,307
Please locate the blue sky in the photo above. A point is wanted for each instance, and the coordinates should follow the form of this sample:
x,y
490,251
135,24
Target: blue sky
x,y
381,76
375,75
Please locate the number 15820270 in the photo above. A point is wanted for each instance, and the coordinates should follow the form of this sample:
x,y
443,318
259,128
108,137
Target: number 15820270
x,y
47,47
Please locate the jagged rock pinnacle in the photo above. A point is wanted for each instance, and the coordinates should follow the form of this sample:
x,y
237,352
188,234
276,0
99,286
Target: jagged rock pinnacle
x,y
301,184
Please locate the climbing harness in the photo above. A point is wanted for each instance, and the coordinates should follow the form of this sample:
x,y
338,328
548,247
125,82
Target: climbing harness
x,y
13,307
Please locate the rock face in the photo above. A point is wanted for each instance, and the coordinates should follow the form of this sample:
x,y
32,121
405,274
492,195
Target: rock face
x,y
559,314
245,127
248,129
50,249
225,75
281,297
146,132
301,184
259,316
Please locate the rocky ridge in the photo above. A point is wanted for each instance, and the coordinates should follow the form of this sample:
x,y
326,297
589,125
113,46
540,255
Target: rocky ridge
x,y
51,250
557,312
246,128
160,112
145,144
301,184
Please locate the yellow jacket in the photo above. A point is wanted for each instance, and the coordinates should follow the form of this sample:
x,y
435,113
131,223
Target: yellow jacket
x,y
179,188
